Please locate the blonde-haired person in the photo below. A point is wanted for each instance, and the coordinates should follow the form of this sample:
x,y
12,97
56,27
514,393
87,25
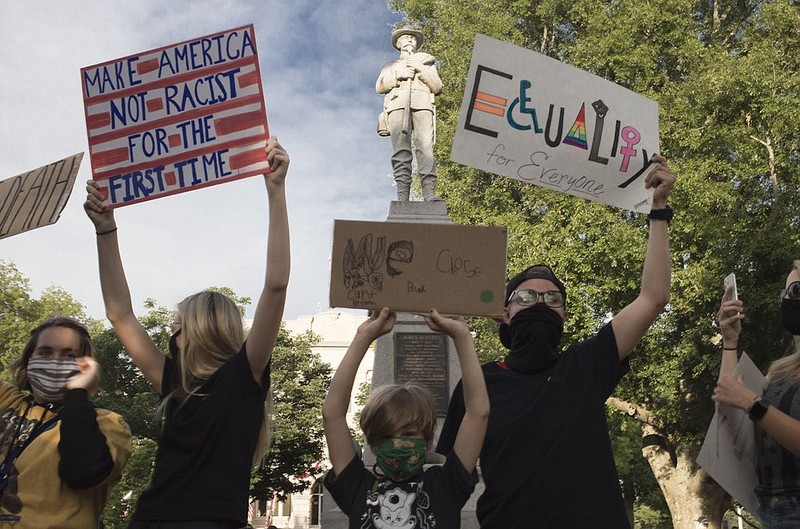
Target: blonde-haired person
x,y
214,382
398,422
60,456
776,412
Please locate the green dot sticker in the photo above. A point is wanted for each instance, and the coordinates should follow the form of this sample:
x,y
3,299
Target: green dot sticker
x,y
487,296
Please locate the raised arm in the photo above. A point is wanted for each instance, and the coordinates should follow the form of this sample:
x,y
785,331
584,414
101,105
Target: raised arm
x,y
334,409
269,310
469,439
116,294
632,322
729,317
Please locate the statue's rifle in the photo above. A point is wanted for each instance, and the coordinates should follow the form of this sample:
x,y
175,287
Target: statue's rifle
x,y
407,123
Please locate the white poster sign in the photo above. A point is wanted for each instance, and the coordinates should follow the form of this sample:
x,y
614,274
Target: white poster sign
x,y
729,450
532,118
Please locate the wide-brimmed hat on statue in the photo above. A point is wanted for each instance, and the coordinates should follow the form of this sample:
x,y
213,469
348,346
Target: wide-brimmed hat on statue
x,y
407,30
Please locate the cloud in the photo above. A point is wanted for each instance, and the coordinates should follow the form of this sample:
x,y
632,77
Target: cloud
x,y
319,60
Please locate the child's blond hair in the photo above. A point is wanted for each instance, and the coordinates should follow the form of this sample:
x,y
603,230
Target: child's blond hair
x,y
396,405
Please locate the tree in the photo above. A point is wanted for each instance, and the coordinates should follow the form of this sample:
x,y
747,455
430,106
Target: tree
x,y
300,381
725,76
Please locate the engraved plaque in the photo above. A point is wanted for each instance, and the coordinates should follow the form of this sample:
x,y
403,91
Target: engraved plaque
x,y
421,358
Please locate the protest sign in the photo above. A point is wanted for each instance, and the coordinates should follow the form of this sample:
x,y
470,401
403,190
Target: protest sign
x,y
535,119
176,118
37,198
414,267
728,453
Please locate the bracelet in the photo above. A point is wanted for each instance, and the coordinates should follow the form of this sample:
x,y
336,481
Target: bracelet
x,y
750,406
665,214
730,348
99,233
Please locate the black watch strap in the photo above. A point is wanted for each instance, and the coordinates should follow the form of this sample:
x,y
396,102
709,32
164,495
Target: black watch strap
x,y
757,411
660,214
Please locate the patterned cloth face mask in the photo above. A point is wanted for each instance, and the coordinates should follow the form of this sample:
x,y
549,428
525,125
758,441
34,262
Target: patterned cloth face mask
x,y
48,378
400,457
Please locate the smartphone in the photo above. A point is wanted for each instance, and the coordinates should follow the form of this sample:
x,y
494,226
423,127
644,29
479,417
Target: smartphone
x,y
730,281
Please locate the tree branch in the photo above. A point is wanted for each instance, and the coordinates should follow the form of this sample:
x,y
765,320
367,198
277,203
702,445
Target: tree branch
x,y
637,412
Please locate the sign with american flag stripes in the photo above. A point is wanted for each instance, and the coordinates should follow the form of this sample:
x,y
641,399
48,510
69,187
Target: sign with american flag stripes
x,y
176,118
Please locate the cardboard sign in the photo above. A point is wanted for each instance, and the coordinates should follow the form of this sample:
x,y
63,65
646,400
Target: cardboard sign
x,y
535,119
728,453
37,198
412,267
177,118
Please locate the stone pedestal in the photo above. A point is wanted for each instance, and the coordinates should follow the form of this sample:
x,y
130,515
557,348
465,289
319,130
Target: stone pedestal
x,y
435,366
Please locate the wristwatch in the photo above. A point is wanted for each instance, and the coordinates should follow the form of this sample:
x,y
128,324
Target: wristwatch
x,y
757,411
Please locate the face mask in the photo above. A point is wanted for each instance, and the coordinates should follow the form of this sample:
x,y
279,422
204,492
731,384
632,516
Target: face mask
x,y
400,457
48,378
790,312
534,337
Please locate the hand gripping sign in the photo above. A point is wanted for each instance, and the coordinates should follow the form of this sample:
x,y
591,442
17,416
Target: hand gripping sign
x,y
176,118
532,118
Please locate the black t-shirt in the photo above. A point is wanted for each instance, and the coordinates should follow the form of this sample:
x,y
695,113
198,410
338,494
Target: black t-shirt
x,y
431,500
547,460
206,447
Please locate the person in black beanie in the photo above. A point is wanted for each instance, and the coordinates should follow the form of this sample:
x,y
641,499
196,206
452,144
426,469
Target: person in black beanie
x,y
547,459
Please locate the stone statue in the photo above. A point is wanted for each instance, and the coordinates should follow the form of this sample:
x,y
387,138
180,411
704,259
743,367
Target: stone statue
x,y
409,85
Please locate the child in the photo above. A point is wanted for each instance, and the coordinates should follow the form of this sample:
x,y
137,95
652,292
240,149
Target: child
x,y
214,384
398,422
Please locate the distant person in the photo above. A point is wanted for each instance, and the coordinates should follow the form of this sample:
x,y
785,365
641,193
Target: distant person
x,y
547,459
776,412
59,455
213,384
398,422
409,85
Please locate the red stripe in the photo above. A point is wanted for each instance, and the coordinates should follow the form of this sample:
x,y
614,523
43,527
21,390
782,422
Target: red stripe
x,y
237,161
146,66
489,98
109,157
483,107
98,121
248,79
178,118
238,122
155,104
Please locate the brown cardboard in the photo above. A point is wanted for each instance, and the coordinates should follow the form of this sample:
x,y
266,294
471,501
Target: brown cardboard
x,y
37,198
412,267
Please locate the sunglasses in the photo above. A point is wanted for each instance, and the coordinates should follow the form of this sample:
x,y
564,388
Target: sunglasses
x,y
792,291
527,297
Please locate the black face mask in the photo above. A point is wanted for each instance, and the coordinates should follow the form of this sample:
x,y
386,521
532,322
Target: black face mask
x,y
790,312
535,334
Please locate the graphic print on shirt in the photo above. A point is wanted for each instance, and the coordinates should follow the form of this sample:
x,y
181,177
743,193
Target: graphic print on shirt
x,y
398,506
16,434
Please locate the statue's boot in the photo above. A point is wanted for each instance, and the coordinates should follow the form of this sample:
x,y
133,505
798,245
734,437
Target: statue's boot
x,y
429,189
403,190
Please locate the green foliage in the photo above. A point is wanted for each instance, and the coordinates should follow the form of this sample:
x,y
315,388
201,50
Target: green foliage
x,y
135,478
725,75
300,381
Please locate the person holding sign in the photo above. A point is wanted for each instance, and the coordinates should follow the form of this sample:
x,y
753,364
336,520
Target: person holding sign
x,y
547,458
61,456
398,422
213,384
776,412
409,85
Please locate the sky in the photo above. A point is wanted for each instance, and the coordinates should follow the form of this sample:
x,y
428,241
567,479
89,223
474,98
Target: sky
x,y
319,60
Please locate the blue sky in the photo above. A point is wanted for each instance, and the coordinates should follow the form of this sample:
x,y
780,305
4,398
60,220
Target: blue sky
x,y
319,61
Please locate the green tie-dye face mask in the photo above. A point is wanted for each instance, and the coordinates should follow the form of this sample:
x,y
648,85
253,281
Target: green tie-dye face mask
x,y
400,457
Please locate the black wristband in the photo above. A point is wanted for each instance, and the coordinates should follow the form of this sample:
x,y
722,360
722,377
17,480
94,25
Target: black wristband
x,y
99,233
660,214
